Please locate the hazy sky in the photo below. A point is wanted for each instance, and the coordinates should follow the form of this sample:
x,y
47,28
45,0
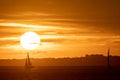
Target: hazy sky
x,y
68,28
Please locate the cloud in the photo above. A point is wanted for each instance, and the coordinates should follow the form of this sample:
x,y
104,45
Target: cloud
x,y
100,15
4,43
17,29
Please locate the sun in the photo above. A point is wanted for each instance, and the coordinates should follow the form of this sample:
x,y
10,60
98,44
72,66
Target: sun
x,y
30,40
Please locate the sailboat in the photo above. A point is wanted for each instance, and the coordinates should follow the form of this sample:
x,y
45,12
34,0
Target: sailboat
x,y
28,64
108,58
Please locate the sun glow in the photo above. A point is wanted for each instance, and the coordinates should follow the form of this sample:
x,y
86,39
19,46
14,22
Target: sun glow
x,y
30,40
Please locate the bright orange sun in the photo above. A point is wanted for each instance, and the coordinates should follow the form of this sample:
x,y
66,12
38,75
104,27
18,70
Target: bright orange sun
x,y
30,40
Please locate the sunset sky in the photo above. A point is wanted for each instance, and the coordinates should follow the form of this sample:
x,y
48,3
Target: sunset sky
x,y
67,28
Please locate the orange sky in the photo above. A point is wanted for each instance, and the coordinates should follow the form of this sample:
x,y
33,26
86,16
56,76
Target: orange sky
x,y
71,28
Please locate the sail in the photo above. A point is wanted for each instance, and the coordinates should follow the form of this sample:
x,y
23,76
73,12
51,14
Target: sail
x,y
28,64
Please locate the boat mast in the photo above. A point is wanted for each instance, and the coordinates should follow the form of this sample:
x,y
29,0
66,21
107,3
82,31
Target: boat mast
x,y
108,59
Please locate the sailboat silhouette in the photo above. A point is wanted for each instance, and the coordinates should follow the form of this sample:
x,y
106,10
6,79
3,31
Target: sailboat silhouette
x,y
108,59
28,64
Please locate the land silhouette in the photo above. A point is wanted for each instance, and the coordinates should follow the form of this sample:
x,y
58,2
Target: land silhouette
x,y
88,60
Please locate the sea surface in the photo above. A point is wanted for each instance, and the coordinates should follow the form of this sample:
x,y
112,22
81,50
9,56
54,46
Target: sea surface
x,y
60,73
